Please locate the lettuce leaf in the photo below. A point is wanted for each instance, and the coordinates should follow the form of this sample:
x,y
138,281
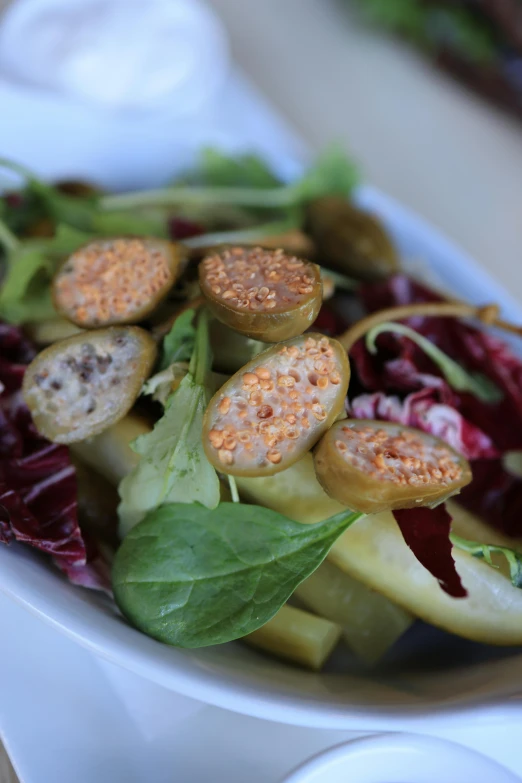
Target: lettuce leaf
x,y
30,265
178,345
173,467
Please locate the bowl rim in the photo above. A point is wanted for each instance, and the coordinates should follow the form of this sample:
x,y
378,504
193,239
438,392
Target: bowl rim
x,y
203,683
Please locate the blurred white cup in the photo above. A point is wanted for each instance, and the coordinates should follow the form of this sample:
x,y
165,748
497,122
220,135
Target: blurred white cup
x,y
119,54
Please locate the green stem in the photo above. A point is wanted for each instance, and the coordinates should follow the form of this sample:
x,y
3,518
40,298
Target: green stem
x,y
233,489
485,551
7,239
339,522
457,377
241,235
267,198
200,360
22,171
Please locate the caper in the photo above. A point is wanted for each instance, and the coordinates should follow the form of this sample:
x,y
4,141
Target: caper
x,y
373,466
78,387
350,240
263,294
274,409
116,280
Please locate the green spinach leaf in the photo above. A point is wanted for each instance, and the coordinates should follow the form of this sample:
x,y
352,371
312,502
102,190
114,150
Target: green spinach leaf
x,y
191,577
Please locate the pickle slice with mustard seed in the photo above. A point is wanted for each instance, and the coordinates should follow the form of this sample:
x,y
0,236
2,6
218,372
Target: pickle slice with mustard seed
x,y
116,280
78,387
264,294
275,408
373,466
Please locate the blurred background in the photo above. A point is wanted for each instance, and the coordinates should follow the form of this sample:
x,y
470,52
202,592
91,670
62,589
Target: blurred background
x,y
365,72
419,134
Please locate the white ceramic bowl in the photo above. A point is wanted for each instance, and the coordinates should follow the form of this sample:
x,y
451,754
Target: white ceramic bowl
x,y
400,758
238,679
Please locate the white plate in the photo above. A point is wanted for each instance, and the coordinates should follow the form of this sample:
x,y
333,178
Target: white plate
x,y
231,676
68,716
401,758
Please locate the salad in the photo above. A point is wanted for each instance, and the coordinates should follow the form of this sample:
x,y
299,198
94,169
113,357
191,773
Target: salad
x,y
226,404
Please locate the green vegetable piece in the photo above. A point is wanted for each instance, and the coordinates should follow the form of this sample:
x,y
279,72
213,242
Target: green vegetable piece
x,y
373,466
485,552
25,295
78,387
262,294
173,466
349,240
231,350
218,168
116,280
178,344
192,577
297,636
332,172
457,377
275,408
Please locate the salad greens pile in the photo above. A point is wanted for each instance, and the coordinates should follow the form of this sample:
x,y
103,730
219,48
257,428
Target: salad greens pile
x,y
257,204
194,569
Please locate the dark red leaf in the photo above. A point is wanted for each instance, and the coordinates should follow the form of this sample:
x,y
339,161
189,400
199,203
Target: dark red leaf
x,y
402,367
327,322
14,199
183,228
38,494
495,496
426,531
95,574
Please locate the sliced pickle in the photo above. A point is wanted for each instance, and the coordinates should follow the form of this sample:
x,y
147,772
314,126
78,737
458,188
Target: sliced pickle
x,y
263,294
116,280
80,386
373,466
275,408
373,551
350,240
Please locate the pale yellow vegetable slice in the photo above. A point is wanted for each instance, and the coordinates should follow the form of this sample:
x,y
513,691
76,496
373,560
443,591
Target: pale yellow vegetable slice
x,y
297,636
374,552
370,623
109,453
47,332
